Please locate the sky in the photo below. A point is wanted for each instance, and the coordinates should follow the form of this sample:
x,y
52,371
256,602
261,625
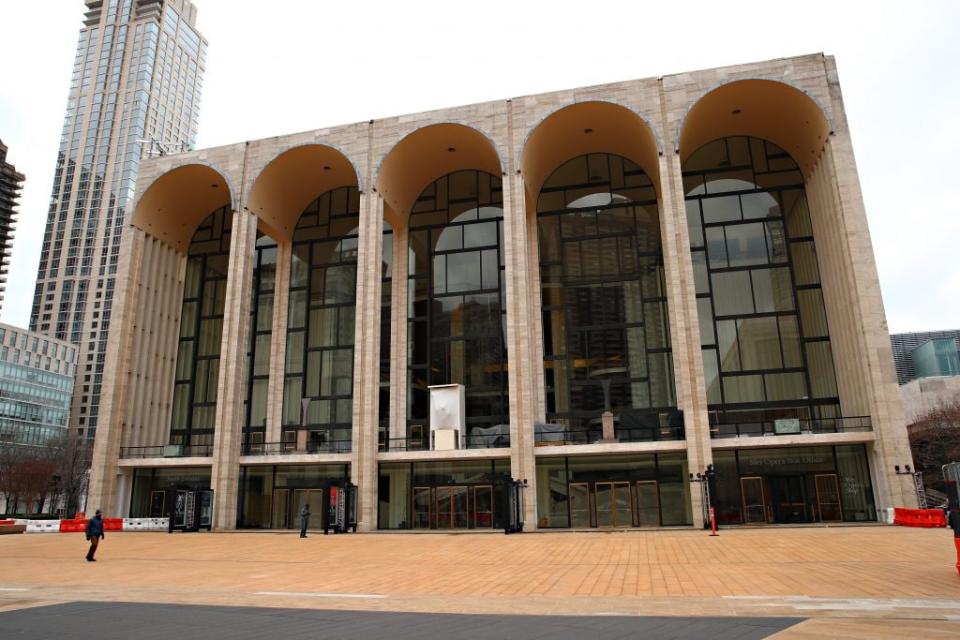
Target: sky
x,y
280,66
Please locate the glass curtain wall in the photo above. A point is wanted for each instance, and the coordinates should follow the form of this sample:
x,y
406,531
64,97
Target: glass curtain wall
x,y
261,332
318,384
763,327
271,496
442,494
793,485
605,306
201,326
613,491
457,303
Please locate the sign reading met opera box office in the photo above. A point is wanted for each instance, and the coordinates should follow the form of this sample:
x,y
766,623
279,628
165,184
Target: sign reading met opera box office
x,y
689,253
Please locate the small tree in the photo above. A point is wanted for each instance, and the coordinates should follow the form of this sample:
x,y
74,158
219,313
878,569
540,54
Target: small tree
x,y
935,441
73,454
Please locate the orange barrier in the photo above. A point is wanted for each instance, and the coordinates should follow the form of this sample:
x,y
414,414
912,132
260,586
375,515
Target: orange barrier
x,y
919,517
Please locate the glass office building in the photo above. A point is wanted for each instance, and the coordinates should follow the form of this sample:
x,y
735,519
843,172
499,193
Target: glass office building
x,y
627,287
36,380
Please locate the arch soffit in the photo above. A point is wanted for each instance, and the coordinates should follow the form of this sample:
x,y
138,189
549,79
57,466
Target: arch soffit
x,y
422,156
292,179
177,201
632,136
783,113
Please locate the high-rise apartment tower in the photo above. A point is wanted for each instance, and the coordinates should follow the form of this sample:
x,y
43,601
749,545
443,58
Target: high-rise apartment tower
x,y
10,183
134,93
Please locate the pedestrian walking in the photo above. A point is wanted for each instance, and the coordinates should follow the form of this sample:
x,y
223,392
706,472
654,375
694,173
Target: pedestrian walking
x,y
94,533
304,520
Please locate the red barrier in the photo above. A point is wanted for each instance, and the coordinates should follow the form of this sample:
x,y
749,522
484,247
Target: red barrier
x,y
8,521
113,524
73,526
919,517
956,541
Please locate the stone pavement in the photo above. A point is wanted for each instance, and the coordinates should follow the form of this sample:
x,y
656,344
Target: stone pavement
x,y
845,581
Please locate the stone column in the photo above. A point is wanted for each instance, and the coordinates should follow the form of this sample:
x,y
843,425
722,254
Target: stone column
x,y
684,325
398,332
366,360
278,343
862,352
232,379
104,469
521,323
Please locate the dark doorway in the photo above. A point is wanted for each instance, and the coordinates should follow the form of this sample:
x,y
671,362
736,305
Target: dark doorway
x,y
789,499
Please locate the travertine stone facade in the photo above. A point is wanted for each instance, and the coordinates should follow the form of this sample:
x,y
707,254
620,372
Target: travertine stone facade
x,y
657,123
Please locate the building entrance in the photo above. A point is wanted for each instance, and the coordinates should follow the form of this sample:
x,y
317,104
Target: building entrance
x,y
287,504
789,499
453,507
614,505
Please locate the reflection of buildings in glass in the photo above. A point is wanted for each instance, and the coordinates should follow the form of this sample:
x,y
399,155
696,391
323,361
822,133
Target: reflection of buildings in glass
x,y
553,224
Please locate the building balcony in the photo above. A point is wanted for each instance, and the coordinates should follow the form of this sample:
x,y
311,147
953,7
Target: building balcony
x,y
792,427
167,451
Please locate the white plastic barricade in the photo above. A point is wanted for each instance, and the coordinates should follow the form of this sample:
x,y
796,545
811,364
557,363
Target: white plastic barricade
x,y
145,524
135,524
158,524
43,526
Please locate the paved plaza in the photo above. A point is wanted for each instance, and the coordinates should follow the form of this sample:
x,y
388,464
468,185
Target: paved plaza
x,y
846,582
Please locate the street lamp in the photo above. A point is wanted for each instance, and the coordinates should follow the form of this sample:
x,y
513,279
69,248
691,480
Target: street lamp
x,y
917,483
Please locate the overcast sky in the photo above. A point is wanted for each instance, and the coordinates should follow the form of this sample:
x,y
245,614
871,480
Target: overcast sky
x,y
281,66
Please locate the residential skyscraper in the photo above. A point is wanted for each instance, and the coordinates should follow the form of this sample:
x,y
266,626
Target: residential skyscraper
x,y
134,93
10,182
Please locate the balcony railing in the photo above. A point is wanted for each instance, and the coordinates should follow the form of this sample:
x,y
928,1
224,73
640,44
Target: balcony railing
x,y
544,437
469,441
290,448
791,427
168,451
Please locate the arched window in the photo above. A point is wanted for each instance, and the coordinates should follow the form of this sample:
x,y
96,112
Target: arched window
x,y
201,325
763,328
457,304
606,335
318,385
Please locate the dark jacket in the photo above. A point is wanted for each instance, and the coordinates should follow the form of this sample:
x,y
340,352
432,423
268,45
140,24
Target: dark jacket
x,y
95,527
304,516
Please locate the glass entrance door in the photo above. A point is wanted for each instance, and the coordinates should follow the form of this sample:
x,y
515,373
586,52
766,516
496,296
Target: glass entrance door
x,y
789,499
828,497
452,508
482,507
157,503
281,505
754,504
648,503
580,510
312,497
614,506
422,508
